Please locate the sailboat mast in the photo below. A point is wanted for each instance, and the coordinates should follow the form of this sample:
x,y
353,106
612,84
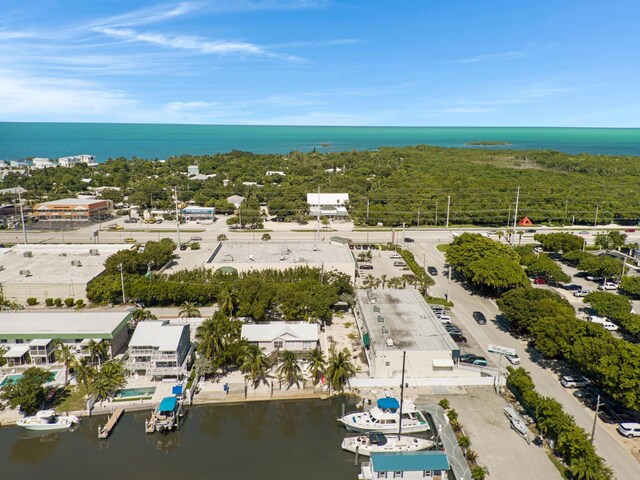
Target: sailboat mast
x,y
404,358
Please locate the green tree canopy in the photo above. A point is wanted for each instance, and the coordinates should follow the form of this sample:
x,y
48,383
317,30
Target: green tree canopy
x,y
27,392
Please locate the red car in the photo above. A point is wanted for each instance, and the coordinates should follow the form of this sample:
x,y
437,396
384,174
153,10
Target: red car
x,y
539,281
630,230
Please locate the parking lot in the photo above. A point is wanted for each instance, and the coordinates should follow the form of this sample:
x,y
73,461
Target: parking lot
x,y
383,264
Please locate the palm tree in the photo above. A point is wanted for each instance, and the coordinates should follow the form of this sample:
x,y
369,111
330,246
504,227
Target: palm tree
x,y
590,467
317,365
289,368
84,372
211,335
188,310
384,280
65,356
255,364
98,350
228,300
109,379
368,281
340,369
141,315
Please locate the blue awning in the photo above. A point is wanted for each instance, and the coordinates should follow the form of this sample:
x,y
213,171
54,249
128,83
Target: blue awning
x,y
409,461
388,403
168,404
177,390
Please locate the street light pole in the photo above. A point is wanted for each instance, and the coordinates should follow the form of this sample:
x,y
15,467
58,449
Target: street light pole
x,y
24,228
175,191
595,222
595,417
124,298
448,208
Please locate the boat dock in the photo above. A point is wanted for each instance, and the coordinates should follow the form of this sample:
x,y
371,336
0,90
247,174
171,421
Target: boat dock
x,y
105,430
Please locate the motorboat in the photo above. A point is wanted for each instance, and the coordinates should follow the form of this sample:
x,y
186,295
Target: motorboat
x,y
379,442
517,423
165,417
388,416
47,420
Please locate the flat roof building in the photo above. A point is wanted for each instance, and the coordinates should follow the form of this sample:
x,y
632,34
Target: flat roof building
x,y
198,213
328,204
44,271
396,321
73,209
248,256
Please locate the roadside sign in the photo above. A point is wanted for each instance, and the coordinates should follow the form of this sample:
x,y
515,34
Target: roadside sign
x,y
501,350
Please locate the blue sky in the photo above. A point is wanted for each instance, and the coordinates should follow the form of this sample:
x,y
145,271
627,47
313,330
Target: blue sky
x,y
322,62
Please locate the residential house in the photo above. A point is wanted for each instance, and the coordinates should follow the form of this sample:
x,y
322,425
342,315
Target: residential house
x,y
422,465
278,336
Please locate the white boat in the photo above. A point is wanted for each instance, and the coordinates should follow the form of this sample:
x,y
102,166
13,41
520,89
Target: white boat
x,y
386,417
47,420
517,423
379,442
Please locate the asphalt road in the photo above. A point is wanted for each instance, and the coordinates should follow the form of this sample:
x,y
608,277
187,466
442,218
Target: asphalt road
x,y
617,451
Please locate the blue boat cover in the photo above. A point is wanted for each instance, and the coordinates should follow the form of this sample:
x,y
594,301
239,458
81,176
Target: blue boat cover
x,y
168,405
388,403
177,390
409,461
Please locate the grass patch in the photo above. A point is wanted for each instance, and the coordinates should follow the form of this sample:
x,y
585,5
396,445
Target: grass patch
x,y
131,399
443,247
154,230
564,471
322,230
440,301
248,230
70,399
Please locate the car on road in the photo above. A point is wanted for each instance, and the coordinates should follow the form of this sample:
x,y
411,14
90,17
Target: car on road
x,y
574,381
530,230
581,293
539,281
473,359
608,286
432,270
183,246
409,240
480,318
130,220
583,232
572,287
629,429
196,239
130,240
630,230
116,227
513,359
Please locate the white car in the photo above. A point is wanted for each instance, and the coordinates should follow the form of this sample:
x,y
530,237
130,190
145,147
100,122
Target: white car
x,y
581,293
569,381
513,359
629,430
608,286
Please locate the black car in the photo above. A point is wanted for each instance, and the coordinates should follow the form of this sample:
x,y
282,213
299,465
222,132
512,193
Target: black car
x,y
530,230
366,266
183,246
572,287
480,318
458,337
408,240
432,270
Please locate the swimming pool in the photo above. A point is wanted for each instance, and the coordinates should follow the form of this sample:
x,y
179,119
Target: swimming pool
x,y
133,393
16,376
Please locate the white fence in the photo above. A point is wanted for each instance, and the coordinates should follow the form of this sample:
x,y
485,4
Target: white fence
x,y
422,382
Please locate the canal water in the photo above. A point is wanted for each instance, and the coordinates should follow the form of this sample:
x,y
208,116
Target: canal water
x,y
283,440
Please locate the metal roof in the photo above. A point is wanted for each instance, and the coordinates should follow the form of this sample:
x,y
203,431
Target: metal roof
x,y
409,461
30,325
268,332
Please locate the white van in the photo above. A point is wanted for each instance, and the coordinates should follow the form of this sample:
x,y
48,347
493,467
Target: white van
x,y
605,322
395,255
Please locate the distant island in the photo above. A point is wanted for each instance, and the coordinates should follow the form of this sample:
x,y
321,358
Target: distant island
x,y
484,144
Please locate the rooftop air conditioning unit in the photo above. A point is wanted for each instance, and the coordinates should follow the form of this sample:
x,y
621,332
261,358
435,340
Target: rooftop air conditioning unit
x,y
1,268
28,254
380,318
94,252
376,309
63,254
25,273
389,342
384,330
76,263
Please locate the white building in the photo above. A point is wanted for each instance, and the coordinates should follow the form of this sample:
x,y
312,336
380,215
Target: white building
x,y
235,200
300,338
193,170
270,173
29,337
395,321
76,159
422,465
328,204
194,213
41,163
159,349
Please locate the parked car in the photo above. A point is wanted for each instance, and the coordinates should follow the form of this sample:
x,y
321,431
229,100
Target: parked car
x,y
366,266
594,278
588,397
480,318
444,318
395,255
581,293
574,381
538,249
513,359
473,359
608,286
196,239
408,240
438,309
183,246
458,337
530,230
432,270
630,230
572,287
629,429
539,281
399,264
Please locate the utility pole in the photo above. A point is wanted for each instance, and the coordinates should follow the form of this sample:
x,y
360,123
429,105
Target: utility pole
x,y
566,211
436,222
318,218
515,211
419,215
595,417
595,222
367,210
124,298
402,234
175,191
448,208
24,228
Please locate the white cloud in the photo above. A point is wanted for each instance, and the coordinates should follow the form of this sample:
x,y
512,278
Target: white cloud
x,y
146,16
515,55
193,43
181,106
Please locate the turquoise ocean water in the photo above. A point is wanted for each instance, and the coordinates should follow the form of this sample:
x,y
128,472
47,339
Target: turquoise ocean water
x,y
110,140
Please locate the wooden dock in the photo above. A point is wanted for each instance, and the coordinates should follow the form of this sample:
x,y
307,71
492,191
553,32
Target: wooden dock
x,y
105,430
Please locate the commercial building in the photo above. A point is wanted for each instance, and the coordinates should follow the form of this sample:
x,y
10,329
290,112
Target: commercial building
x,y
395,321
29,337
194,213
159,349
271,337
73,209
249,256
44,271
235,200
328,204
